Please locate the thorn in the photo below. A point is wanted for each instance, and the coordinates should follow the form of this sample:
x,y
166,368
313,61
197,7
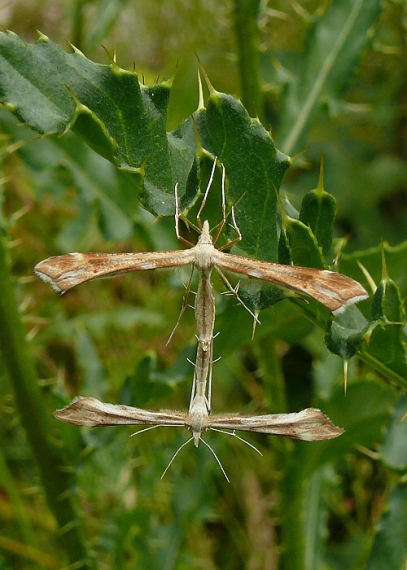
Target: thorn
x,y
320,188
369,278
345,375
255,321
201,102
385,275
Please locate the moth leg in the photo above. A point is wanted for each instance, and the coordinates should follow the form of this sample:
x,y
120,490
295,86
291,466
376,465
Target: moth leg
x,y
225,216
234,291
175,455
183,307
205,196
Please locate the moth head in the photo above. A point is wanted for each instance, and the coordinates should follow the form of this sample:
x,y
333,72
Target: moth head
x,y
205,238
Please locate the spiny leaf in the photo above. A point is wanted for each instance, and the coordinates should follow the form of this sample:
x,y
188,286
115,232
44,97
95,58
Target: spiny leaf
x,y
52,91
385,342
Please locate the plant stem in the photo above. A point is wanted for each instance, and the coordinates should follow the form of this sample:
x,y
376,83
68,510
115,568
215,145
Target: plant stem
x,y
36,420
292,523
246,14
10,488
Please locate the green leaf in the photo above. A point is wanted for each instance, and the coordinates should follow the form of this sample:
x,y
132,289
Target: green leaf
x,y
385,343
345,332
94,373
124,121
254,168
393,451
363,413
139,389
386,302
390,543
335,44
301,244
318,209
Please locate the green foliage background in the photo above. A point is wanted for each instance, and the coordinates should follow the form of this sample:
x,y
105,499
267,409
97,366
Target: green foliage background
x,y
326,77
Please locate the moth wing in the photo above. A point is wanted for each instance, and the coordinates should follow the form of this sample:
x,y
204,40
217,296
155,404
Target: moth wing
x,y
64,272
309,424
91,412
332,289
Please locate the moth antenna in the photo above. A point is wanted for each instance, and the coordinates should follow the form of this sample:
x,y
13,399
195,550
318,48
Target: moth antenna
x,y
224,215
175,455
217,459
205,196
234,224
233,434
183,307
223,189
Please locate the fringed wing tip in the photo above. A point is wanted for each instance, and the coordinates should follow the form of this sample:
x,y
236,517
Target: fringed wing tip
x,y
319,427
47,279
351,301
77,411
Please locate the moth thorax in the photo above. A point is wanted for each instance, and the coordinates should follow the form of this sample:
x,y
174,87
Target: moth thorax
x,y
197,415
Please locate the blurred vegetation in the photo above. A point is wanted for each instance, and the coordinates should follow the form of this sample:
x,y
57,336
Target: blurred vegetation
x,y
325,89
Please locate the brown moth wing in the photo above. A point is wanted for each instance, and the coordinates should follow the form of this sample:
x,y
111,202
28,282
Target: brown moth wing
x,y
91,412
309,424
64,272
332,289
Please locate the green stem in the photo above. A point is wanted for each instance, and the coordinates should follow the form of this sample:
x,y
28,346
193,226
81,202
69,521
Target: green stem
x,y
78,23
246,14
8,484
381,367
290,485
292,526
36,420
